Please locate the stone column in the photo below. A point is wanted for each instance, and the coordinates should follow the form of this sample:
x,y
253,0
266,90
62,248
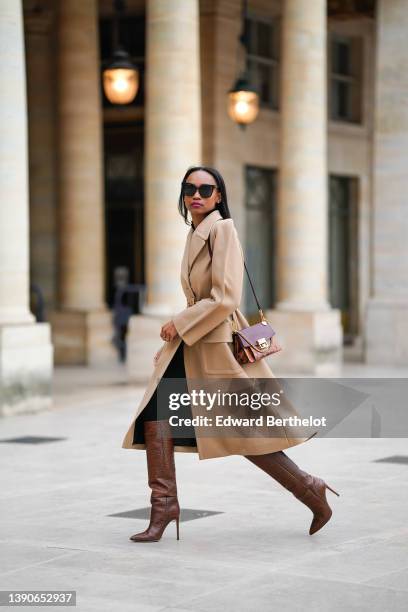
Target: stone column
x,y
173,143
309,330
82,328
387,309
25,348
173,140
39,29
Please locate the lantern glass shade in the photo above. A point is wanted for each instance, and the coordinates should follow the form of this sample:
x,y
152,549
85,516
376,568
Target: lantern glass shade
x,y
243,106
120,84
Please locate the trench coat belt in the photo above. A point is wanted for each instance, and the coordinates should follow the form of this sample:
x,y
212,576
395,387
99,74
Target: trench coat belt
x,y
190,300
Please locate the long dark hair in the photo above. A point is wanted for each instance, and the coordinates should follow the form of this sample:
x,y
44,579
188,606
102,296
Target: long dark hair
x,y
222,206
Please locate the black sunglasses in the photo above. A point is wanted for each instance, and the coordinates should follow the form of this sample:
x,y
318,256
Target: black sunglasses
x,y
205,191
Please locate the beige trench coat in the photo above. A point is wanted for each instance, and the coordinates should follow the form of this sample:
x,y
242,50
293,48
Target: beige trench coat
x,y
213,290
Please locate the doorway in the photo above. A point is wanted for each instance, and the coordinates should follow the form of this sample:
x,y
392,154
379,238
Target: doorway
x,y
124,214
260,199
343,252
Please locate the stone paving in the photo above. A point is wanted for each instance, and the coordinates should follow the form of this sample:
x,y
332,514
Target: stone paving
x,y
252,553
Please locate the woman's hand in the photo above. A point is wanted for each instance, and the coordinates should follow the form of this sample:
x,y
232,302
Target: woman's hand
x,y
168,332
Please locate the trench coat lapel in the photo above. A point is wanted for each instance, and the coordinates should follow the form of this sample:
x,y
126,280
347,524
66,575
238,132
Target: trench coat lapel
x,y
184,261
196,240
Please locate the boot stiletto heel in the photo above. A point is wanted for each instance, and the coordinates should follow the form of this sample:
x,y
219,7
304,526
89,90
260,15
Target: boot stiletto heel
x,y
332,490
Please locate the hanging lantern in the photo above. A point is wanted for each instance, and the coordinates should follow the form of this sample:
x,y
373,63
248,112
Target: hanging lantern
x,y
120,76
243,102
120,79
243,99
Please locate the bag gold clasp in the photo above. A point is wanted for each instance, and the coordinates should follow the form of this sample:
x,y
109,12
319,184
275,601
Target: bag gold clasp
x,y
262,343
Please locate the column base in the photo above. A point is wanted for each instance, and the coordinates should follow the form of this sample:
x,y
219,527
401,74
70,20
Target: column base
x,y
312,342
386,332
26,368
83,337
143,341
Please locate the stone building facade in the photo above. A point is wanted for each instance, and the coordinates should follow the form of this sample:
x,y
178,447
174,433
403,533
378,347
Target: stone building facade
x,y
89,191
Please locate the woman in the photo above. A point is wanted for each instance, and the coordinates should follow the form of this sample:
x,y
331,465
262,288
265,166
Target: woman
x,y
198,343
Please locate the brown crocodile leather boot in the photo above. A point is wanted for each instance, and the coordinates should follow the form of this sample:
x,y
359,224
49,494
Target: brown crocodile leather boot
x,y
162,481
310,490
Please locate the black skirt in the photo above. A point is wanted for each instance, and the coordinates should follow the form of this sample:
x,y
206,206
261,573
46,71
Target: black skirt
x,y
175,369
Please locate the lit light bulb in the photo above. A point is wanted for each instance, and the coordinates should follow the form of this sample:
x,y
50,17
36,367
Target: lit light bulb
x,y
243,106
120,84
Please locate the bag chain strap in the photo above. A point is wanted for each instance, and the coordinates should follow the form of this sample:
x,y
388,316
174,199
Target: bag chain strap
x,y
261,314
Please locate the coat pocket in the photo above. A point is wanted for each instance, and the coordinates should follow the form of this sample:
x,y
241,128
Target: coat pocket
x,y
218,359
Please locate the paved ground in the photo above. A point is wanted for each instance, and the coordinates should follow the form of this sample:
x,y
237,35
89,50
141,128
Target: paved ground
x,y
58,532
